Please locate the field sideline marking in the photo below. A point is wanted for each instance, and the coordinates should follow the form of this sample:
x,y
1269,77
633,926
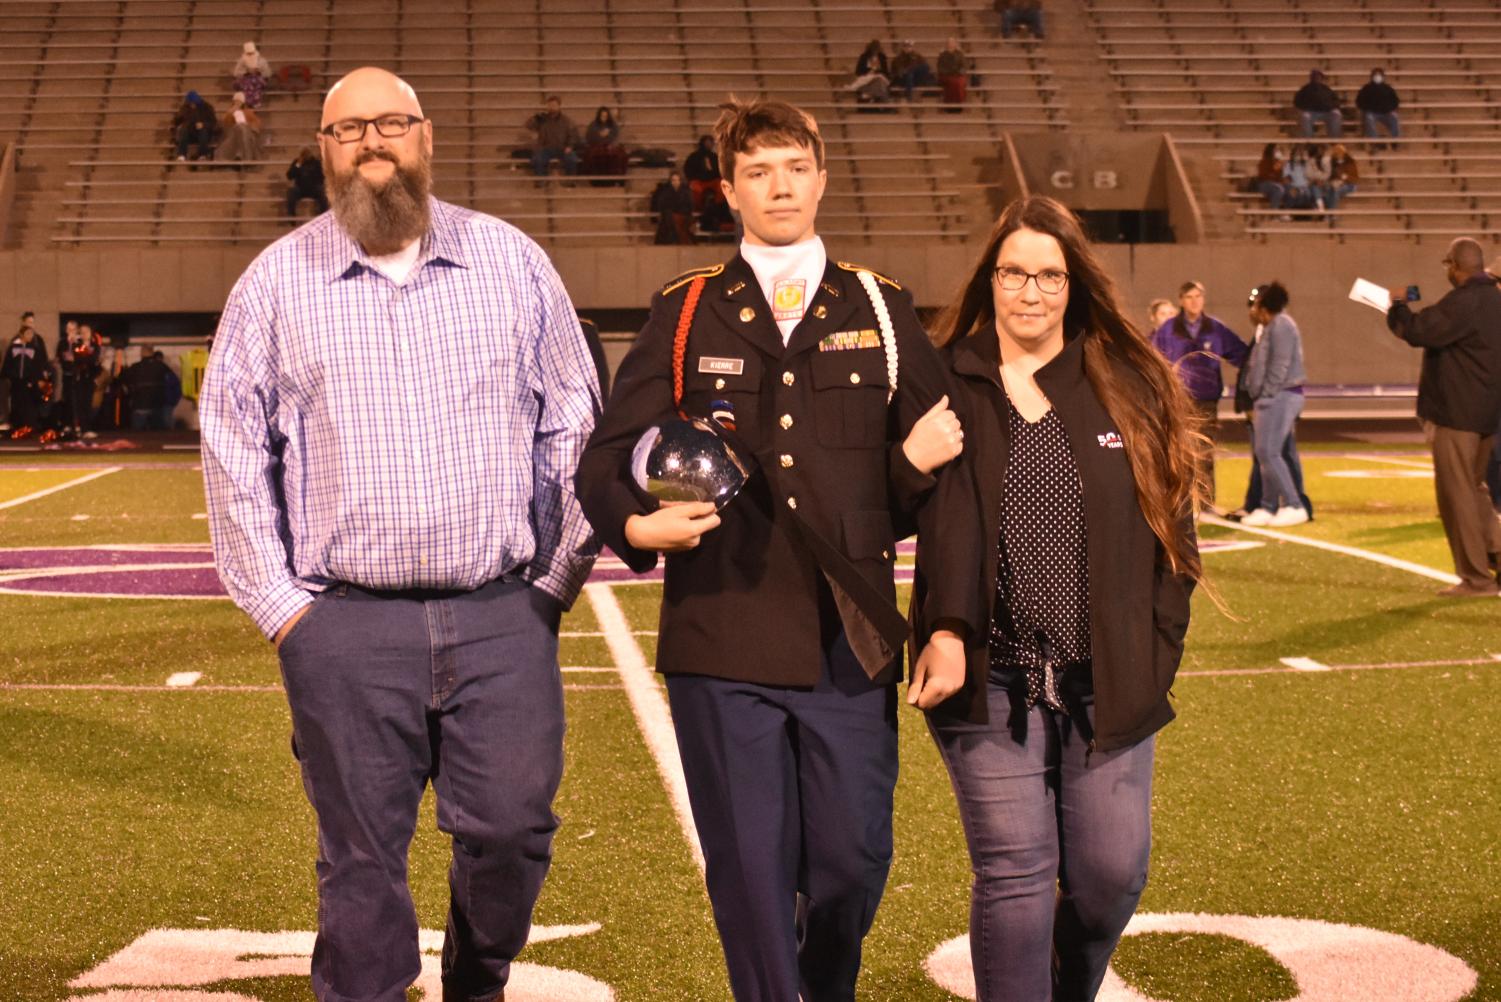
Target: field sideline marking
x,y
649,706
1349,551
36,495
1494,659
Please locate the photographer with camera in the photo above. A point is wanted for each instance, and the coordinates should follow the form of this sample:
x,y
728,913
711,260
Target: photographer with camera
x,y
1459,403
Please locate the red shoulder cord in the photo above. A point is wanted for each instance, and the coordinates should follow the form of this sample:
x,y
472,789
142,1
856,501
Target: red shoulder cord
x,y
680,342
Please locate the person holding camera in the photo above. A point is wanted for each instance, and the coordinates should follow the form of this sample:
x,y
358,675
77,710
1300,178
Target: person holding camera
x,y
1459,403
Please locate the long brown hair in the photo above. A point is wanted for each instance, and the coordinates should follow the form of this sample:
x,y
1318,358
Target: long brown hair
x,y
1133,382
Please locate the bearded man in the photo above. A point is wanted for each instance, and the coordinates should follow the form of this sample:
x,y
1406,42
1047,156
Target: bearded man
x,y
410,563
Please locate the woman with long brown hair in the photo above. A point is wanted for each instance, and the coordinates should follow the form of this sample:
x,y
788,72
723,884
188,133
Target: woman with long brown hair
x,y
1051,601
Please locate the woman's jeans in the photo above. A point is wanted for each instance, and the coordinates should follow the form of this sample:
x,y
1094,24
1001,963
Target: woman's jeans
x,y
1271,425
1059,839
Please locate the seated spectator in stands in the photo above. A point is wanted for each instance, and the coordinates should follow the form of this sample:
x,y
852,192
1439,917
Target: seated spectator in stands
x,y
604,156
717,217
1160,312
701,169
1298,187
242,132
1316,102
146,386
250,74
554,137
306,175
1344,175
1317,168
673,204
1271,176
1020,14
953,73
909,70
872,83
195,129
1378,103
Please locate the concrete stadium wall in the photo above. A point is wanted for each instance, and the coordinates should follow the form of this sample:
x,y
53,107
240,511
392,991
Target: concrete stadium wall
x,y
1343,342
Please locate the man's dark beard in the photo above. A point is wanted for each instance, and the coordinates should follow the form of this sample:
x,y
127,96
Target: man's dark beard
x,y
383,218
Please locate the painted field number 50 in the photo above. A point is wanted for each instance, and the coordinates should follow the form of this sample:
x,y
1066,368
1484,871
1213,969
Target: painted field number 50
x,y
173,965
1329,962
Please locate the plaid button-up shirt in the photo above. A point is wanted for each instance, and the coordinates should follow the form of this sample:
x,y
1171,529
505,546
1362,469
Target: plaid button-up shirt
x,y
421,435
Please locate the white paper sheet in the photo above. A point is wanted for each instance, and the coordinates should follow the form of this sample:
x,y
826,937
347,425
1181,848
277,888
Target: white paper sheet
x,y
1371,294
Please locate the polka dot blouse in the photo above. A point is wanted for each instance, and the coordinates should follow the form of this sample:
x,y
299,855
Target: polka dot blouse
x,y
1041,616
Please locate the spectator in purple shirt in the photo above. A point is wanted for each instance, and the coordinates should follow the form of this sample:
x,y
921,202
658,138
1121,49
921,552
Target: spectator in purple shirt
x,y
1195,343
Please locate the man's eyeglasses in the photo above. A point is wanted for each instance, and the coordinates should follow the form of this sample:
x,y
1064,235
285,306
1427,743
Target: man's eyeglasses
x,y
352,130
1048,280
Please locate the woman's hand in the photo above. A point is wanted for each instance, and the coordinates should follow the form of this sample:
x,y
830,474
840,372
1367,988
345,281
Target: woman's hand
x,y
672,528
935,438
939,672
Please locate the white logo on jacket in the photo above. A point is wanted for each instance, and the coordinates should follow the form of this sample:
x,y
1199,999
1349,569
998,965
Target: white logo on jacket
x,y
1111,440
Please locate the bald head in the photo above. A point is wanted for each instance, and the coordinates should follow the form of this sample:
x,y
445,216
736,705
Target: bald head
x,y
369,92
1466,257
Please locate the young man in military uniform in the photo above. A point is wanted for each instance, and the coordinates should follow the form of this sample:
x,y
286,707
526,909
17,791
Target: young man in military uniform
x,y
780,637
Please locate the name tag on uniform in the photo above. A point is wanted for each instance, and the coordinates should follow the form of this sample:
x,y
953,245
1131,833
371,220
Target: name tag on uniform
x,y
722,366
849,340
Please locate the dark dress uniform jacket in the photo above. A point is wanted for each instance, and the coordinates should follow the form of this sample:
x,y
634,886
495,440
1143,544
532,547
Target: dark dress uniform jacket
x,y
752,602
1138,609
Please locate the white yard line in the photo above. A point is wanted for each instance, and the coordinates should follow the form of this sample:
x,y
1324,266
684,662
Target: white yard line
x,y
1349,551
1292,669
178,683
649,706
36,495
1304,664
1413,463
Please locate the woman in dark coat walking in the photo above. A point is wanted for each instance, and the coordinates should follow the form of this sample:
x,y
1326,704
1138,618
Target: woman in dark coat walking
x,y
1051,601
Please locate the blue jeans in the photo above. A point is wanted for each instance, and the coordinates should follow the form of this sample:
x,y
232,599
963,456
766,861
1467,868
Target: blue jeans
x,y
1010,19
542,159
1271,436
1388,119
1333,121
1334,192
1059,841
1290,455
791,791
1273,192
389,691
920,75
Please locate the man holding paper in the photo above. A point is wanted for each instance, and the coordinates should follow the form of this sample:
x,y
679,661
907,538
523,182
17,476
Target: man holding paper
x,y
1459,403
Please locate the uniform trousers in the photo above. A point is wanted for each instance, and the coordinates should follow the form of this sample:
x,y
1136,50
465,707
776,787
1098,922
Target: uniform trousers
x,y
391,690
1464,503
791,791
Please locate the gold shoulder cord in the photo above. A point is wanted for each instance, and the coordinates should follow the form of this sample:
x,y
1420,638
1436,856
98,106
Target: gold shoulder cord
x,y
690,275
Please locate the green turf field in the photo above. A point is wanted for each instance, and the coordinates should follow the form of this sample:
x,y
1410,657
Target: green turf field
x,y
1365,794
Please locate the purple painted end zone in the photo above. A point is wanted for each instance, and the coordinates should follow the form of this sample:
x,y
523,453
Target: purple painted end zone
x,y
120,571
84,556
194,582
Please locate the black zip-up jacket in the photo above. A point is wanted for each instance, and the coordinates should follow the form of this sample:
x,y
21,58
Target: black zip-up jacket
x,y
1377,98
1316,97
1460,383
1138,609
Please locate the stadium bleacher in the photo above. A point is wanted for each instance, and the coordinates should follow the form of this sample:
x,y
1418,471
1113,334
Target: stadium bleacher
x,y
91,89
